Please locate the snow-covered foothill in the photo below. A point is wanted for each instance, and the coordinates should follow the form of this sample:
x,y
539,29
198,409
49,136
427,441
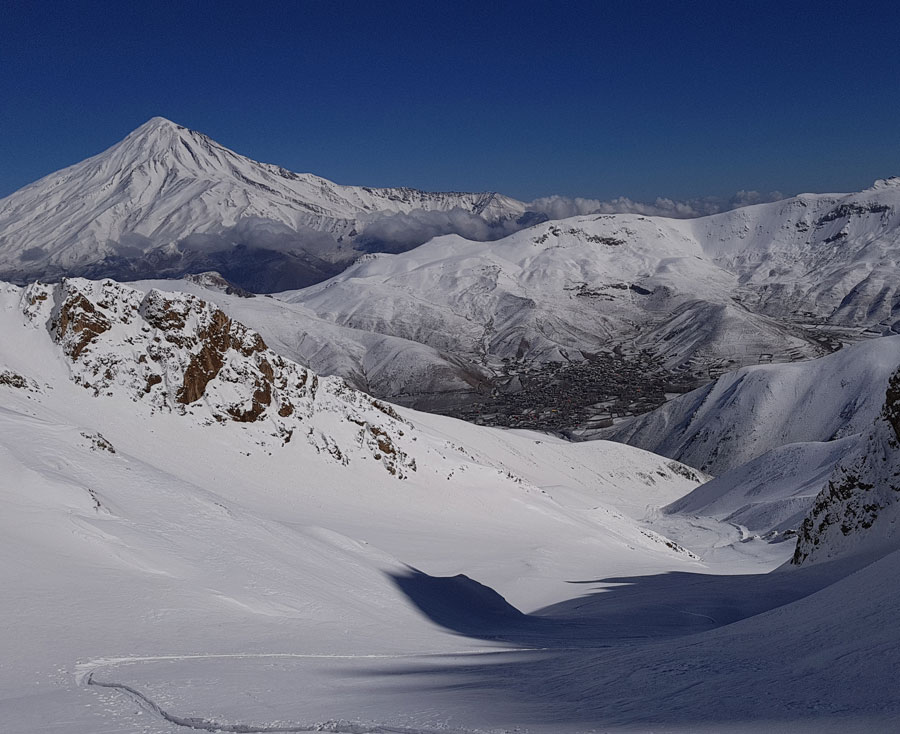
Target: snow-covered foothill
x,y
747,413
557,291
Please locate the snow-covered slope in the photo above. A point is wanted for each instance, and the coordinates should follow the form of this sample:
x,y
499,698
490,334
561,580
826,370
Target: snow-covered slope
x,y
830,257
744,414
167,199
221,537
560,290
773,492
858,510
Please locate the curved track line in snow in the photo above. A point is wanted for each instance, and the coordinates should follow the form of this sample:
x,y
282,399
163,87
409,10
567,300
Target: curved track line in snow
x,y
85,669
84,676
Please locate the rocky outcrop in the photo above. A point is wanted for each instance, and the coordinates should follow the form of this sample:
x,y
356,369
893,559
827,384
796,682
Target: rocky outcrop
x,y
13,379
859,508
175,352
77,324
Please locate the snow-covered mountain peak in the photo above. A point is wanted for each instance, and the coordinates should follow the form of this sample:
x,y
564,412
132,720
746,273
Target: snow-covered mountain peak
x,y
157,131
168,147
156,123
886,183
167,200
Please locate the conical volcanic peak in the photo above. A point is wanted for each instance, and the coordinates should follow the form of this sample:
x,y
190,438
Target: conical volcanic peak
x,y
176,193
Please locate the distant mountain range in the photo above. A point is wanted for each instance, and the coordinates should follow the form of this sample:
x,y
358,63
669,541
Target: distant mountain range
x,y
639,306
774,282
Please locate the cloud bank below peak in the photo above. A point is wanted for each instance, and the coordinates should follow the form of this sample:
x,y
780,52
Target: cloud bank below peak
x,y
559,207
396,232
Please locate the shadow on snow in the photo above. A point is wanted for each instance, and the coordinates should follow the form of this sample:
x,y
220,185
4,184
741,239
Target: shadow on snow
x,y
659,650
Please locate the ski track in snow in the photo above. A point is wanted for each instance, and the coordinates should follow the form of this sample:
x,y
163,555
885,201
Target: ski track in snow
x,y
84,677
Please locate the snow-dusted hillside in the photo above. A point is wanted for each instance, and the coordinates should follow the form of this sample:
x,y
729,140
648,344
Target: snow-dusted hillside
x,y
166,200
744,414
828,257
768,283
560,290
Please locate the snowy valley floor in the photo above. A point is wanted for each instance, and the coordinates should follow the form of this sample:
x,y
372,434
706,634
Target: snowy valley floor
x,y
647,654
721,643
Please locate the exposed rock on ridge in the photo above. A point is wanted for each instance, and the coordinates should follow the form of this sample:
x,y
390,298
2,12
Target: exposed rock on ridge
x,y
859,507
176,352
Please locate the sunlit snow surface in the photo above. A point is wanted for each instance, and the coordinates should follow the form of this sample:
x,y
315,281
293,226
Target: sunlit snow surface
x,y
747,413
210,573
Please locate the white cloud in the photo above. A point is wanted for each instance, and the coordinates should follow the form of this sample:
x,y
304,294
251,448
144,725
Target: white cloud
x,y
559,207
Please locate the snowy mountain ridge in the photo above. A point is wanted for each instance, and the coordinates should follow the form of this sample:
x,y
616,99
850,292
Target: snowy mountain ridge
x,y
562,292
746,413
833,250
177,353
826,258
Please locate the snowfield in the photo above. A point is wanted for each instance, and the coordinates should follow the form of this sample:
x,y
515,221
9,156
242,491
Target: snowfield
x,y
200,533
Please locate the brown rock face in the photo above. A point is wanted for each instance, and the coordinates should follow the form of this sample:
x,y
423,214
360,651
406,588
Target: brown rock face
x,y
215,340
206,363
81,322
177,353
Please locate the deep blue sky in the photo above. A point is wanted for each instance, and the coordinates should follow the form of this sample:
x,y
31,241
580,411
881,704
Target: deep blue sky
x,y
597,99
